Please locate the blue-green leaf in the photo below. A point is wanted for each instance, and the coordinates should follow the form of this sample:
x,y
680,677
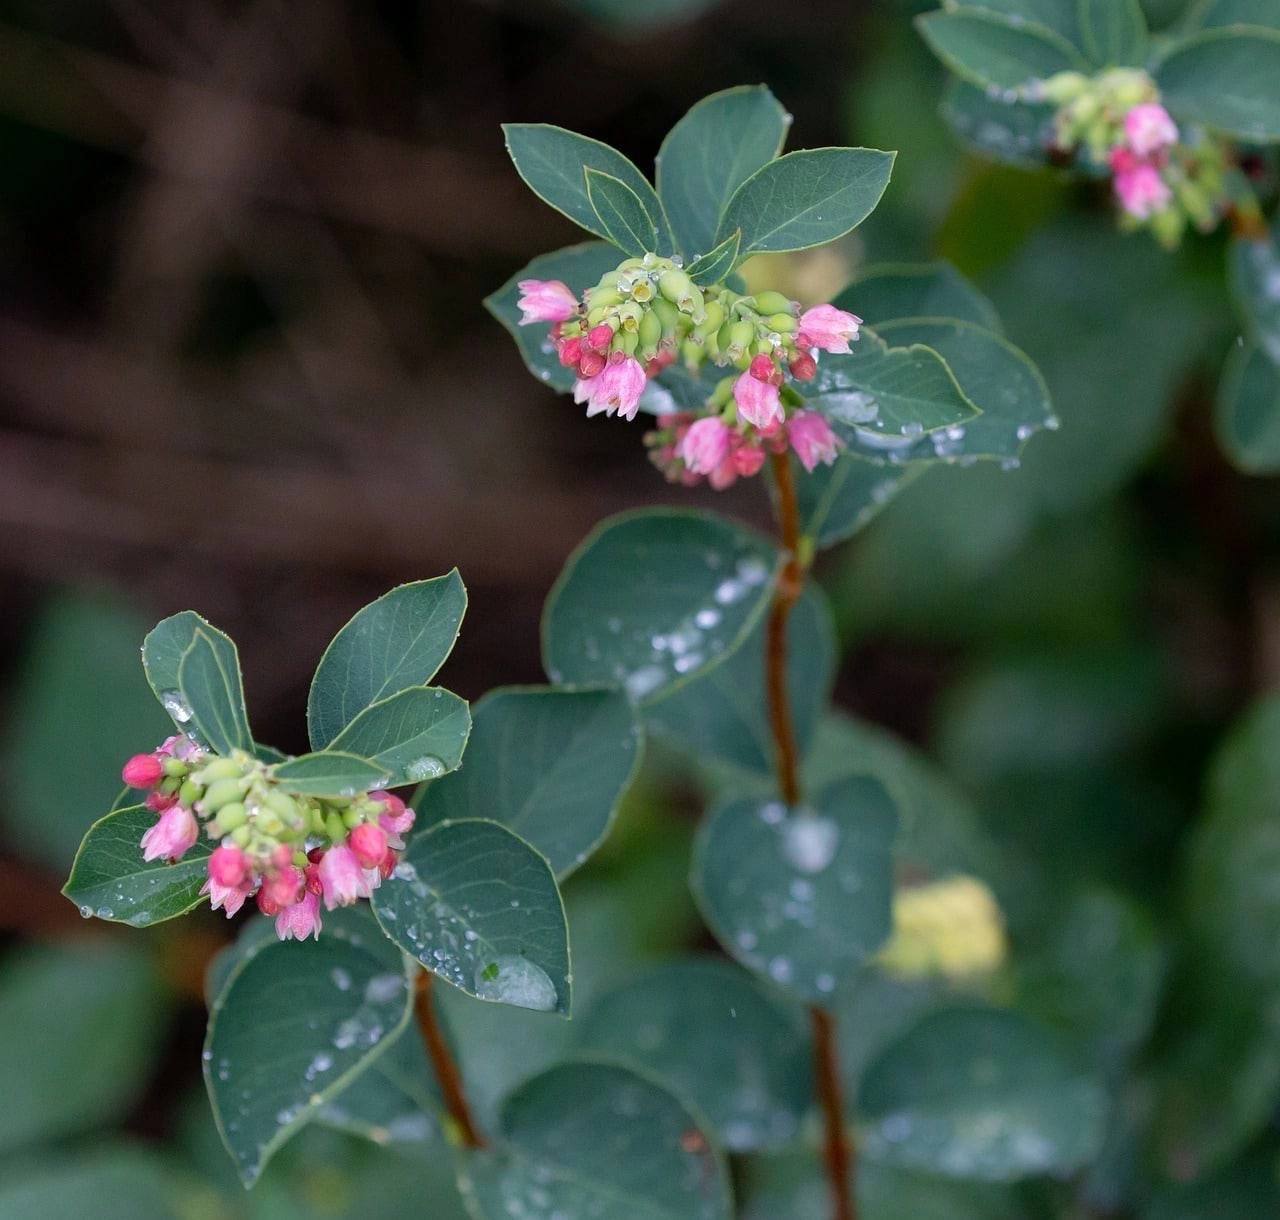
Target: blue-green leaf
x,y
623,215
1247,413
163,650
712,267
210,688
994,51
417,734
1228,79
1115,32
891,291
1015,132
329,773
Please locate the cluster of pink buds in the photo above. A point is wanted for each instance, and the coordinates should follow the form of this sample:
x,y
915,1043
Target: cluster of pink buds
x,y
647,313
290,853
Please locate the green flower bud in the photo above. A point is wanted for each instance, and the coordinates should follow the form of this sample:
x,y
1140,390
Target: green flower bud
x,y
625,341
692,353
171,785
269,824
222,792
740,336
241,835
174,766
1064,87
712,322
335,828
650,334
667,314
774,302
351,818
219,768
723,393
189,793
781,323
229,817
603,298
677,287
629,317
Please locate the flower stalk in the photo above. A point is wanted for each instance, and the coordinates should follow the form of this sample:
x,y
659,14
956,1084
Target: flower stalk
x,y
448,1074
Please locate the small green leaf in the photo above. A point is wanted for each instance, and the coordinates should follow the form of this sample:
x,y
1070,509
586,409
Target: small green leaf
x,y
1060,16
111,880
754,1086
294,1026
623,215
995,51
600,1140
711,268
1115,32
329,773
553,162
398,641
1213,14
723,716
888,292
652,599
806,199
1247,413
979,1093
211,690
478,906
1253,271
1228,79
1016,133
550,764
803,897
417,734
217,665
709,153
837,501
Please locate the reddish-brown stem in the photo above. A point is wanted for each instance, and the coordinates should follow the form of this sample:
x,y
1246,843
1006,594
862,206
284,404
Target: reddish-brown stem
x,y
837,1149
446,1069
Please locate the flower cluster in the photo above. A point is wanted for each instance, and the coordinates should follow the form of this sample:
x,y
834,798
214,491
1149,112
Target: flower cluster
x,y
647,313
286,851
1162,178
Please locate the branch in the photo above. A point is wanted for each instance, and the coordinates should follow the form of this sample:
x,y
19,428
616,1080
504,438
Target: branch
x,y
447,1072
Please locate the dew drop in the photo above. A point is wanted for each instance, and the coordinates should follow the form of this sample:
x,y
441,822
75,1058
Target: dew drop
x,y
426,767
809,842
515,980
176,705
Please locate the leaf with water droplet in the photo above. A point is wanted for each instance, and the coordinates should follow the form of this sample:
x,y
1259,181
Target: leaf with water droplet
x,y
887,292
415,735
329,773
468,898
215,675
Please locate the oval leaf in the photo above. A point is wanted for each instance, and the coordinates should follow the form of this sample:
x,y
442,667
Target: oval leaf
x,y
995,51
478,906
1228,79
618,207
552,765
415,735
1016,132
399,641
329,773
802,898
916,290
111,880
1253,271
836,501
652,599
711,268
599,1140
217,665
1247,414
1115,32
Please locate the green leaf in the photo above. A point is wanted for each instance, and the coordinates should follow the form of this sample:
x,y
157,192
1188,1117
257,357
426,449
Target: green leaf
x,y
478,906
1212,14
112,1182
723,716
1243,1191
1060,16
754,1086
653,599
994,375
623,215
417,734
995,52
709,153
1115,32
579,267
1253,270
111,880
1016,133
554,163
836,501
714,266
802,898
211,689
329,773
398,641
294,1025
891,291
884,400
215,677
81,1024
1247,412
1228,79
979,1093
806,199
552,765
600,1140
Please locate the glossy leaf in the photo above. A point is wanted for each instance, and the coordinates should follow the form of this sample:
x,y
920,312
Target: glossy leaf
x,y
652,599
329,773
723,715
1060,16
889,292
1228,79
1253,268
415,735
295,1024
215,677
715,265
1115,32
719,1039
112,1182
1211,14
709,153
553,162
979,1093
478,906
1247,413
622,214
1015,132
801,898
600,1140
111,880
837,501
551,765
398,641
994,52
806,199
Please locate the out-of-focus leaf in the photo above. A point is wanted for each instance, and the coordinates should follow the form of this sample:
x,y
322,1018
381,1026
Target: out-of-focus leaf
x,y
1227,78
1247,413
112,1183
1013,132
916,290
995,51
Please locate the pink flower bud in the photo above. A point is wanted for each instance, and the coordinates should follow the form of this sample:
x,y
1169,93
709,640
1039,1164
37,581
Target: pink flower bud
x,y
1149,129
599,337
266,903
158,802
804,367
284,887
761,368
312,875
143,771
723,476
369,843
387,866
341,878
301,919
172,836
228,866
829,328
545,301
758,401
570,352
812,439
705,445
1141,191
591,365
748,459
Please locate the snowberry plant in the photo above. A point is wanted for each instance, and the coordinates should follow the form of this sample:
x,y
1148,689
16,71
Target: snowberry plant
x,y
1182,124
387,858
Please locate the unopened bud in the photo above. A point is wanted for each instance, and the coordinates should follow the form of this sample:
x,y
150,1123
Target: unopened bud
x,y
600,337
221,792
603,298
740,336
591,363
570,352
369,842
781,323
142,771
762,368
677,287
774,302
804,367
650,334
